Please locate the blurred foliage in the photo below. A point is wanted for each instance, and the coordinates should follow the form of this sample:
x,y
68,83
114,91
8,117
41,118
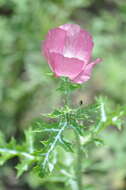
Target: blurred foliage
x,y
26,91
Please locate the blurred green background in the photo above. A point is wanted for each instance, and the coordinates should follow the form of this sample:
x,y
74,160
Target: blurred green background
x,y
26,91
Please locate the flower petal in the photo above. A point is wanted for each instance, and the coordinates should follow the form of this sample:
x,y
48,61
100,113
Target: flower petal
x,y
78,42
69,67
71,29
86,73
54,42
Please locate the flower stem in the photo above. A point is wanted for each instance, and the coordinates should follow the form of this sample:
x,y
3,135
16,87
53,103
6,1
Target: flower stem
x,y
78,171
67,92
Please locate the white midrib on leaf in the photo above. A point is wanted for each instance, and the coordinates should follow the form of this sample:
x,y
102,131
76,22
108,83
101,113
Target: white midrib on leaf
x,y
53,145
15,152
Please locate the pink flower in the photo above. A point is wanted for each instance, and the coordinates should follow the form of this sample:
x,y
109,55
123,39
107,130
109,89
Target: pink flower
x,y
68,50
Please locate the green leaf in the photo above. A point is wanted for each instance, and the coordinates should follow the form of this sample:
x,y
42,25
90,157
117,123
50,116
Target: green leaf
x,y
40,171
79,129
55,114
23,167
4,157
12,144
66,85
40,126
66,145
59,112
55,139
50,74
98,141
29,143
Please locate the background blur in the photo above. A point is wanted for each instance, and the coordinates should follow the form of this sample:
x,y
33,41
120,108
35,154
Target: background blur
x,y
26,91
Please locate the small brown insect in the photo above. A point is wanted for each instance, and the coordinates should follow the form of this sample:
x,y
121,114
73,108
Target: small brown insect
x,y
81,102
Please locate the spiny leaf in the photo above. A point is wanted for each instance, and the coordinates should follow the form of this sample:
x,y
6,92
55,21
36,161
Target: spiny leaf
x,y
12,144
53,144
12,149
66,85
39,126
112,119
55,114
78,129
29,136
53,161
4,157
23,166
66,145
98,141
59,112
